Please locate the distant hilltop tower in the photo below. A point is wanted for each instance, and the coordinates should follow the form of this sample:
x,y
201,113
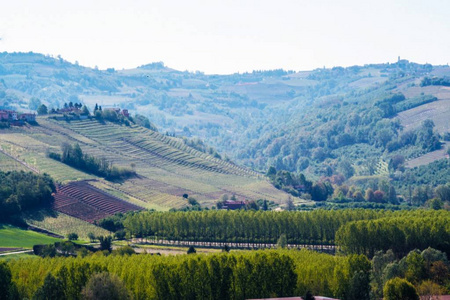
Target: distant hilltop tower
x,y
402,61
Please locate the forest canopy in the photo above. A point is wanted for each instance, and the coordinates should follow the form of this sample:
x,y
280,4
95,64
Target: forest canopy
x,y
22,191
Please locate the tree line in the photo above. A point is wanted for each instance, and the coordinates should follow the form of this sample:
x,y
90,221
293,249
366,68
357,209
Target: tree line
x,y
399,233
300,227
239,275
74,157
234,275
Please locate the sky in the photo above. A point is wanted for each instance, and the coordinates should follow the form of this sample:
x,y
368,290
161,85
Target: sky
x,y
223,37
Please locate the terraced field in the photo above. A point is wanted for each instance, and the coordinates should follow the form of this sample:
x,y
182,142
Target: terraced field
x,y
83,201
167,168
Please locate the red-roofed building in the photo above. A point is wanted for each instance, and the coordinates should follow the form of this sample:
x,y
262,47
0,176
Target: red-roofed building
x,y
125,113
9,115
27,117
230,204
4,116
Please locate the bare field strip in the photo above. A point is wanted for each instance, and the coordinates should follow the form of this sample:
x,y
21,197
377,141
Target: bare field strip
x,y
429,157
438,111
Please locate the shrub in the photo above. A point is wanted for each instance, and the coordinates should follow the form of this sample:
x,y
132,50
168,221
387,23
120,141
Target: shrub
x,y
105,286
72,236
399,289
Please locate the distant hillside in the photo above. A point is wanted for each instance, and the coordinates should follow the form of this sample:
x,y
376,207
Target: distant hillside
x,y
342,121
166,167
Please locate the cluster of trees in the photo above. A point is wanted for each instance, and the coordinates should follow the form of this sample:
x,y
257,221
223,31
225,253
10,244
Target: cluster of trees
x,y
75,105
382,191
111,115
424,273
74,157
422,178
401,233
437,198
289,182
241,275
144,122
300,227
396,103
70,107
22,191
113,224
444,81
260,204
331,188
199,145
69,248
414,102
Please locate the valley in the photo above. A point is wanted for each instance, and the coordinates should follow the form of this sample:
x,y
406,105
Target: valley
x,y
156,175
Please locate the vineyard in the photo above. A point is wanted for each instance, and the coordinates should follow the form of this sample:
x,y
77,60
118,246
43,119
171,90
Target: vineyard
x,y
167,168
86,202
62,224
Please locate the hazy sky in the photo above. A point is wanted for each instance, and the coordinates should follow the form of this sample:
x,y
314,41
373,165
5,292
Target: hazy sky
x,y
229,36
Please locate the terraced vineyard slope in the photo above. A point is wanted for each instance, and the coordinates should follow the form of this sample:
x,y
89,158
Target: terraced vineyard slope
x,y
167,168
83,201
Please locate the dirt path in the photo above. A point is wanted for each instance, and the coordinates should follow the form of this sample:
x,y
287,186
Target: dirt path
x,y
16,252
19,161
219,245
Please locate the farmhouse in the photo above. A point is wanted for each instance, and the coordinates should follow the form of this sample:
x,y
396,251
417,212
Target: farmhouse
x,y
15,118
9,115
4,116
68,110
125,113
27,117
230,204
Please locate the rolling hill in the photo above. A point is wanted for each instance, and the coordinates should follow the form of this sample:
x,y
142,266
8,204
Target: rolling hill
x,y
166,167
323,122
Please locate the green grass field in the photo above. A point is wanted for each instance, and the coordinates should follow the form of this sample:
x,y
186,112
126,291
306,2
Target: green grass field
x,y
13,237
18,256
